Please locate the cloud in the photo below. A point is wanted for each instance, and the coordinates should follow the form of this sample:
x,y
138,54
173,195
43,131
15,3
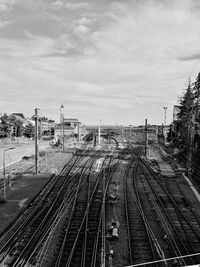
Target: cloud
x,y
84,21
152,34
190,50
81,30
105,59
74,6
4,23
70,5
58,4
119,7
191,57
6,5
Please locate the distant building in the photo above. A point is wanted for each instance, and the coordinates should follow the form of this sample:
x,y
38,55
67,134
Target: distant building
x,y
71,128
46,126
71,122
20,117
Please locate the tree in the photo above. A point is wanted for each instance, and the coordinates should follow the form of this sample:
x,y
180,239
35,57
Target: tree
x,y
5,125
29,130
184,117
43,118
187,138
52,131
196,90
17,126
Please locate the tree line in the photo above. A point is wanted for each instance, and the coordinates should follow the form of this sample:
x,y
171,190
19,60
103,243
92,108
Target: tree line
x,y
11,126
183,133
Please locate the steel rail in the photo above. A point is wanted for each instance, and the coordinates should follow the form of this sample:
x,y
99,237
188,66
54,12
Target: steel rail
x,y
59,258
172,240
54,179
48,222
192,210
160,218
166,213
83,224
173,201
101,227
94,190
153,242
94,157
25,223
64,209
33,212
65,205
126,209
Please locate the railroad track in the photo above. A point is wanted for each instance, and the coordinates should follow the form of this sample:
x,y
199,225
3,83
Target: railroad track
x,y
142,243
65,223
178,229
81,238
27,235
161,222
37,200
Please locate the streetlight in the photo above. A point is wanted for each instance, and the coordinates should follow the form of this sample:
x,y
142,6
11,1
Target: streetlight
x,y
165,115
36,141
4,170
165,121
62,131
99,133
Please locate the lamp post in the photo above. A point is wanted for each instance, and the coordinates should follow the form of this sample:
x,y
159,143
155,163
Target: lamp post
x,y
145,138
165,121
62,126
99,133
165,115
36,141
4,170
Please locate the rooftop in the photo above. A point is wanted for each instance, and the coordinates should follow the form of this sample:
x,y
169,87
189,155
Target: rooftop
x,y
19,115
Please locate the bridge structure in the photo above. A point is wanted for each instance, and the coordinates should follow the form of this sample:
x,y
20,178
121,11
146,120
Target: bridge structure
x,y
109,133
120,133
104,135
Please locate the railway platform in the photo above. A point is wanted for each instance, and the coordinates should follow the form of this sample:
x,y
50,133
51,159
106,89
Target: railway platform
x,y
165,169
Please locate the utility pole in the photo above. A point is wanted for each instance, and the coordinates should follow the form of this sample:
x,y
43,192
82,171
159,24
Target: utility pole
x,y
79,132
62,129
99,133
36,141
63,135
145,138
165,115
103,249
4,171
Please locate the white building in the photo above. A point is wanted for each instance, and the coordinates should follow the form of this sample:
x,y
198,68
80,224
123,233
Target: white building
x,y
70,129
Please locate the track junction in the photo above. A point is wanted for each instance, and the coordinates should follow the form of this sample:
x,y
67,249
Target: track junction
x,y
107,207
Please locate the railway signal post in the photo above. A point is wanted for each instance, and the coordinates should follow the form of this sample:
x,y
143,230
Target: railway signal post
x,y
36,141
145,139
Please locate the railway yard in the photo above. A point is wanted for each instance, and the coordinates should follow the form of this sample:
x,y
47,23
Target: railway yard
x,y
109,206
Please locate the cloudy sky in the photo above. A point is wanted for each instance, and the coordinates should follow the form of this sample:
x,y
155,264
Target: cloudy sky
x,y
118,61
